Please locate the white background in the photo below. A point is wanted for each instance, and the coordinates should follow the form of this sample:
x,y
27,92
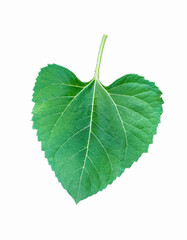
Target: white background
x,y
149,201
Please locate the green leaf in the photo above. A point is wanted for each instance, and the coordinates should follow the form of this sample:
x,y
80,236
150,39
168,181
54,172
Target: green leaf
x,y
90,133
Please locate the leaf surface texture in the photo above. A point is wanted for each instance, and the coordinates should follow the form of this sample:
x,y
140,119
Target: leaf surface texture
x,y
90,133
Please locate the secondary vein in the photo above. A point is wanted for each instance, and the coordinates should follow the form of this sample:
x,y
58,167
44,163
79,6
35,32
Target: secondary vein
x,y
125,132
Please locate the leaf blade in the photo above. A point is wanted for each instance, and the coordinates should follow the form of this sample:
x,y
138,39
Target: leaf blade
x,y
91,133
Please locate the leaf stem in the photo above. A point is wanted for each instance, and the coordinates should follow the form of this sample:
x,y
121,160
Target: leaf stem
x,y
96,76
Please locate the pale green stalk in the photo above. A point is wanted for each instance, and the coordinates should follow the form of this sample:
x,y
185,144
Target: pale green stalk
x,y
96,76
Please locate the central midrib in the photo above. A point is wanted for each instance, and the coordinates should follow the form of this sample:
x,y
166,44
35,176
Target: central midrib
x,y
87,147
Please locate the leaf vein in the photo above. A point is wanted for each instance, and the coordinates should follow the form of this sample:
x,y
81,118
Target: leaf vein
x,y
124,129
56,84
70,138
66,109
95,169
102,129
104,151
88,142
135,112
133,96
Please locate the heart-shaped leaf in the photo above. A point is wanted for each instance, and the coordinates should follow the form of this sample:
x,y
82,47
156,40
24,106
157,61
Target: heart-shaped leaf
x,y
90,133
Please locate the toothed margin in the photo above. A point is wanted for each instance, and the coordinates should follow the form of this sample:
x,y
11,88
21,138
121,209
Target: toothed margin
x,y
138,79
